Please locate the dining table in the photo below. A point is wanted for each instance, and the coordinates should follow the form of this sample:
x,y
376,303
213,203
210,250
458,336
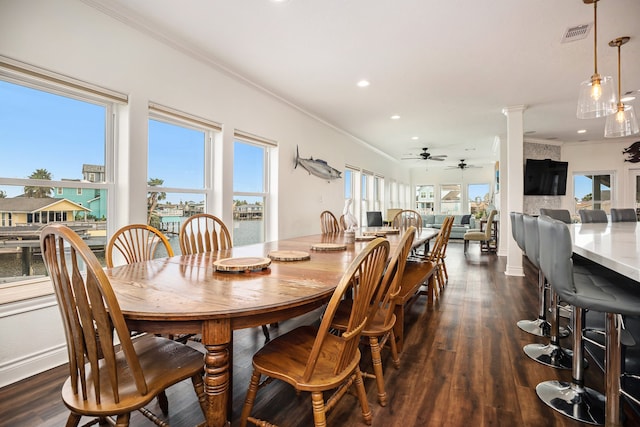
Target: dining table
x,y
193,294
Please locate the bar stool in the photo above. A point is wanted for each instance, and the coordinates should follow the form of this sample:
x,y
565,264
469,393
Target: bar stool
x,y
623,215
539,326
607,293
551,354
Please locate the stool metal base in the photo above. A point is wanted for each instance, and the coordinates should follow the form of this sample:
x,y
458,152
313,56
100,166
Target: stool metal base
x,y
580,403
541,328
550,355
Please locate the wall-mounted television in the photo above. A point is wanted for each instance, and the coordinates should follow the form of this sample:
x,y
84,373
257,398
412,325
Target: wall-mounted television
x,y
545,178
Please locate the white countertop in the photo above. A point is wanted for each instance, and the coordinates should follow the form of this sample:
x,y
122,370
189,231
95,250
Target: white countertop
x,y
613,245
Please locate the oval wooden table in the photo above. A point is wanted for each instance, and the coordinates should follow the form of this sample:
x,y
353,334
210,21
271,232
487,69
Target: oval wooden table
x,y
185,294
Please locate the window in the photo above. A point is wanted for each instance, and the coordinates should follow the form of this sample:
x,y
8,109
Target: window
x,y
478,199
250,188
378,193
178,185
592,191
48,132
425,199
450,200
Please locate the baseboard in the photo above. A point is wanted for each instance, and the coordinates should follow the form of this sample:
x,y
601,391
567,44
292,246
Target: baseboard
x,y
514,271
32,364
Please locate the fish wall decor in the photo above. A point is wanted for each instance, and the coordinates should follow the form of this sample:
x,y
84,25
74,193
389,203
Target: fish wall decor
x,y
317,167
632,153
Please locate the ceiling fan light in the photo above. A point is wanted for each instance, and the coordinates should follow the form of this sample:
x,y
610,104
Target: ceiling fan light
x,y
622,123
597,98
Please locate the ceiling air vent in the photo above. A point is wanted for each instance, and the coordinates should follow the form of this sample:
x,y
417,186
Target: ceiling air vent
x,y
577,32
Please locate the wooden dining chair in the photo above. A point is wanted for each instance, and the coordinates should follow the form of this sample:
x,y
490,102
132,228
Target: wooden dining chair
x,y
436,254
312,358
108,378
381,318
137,242
329,223
407,218
203,233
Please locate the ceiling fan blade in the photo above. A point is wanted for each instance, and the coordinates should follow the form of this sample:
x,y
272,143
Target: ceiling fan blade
x,y
411,158
437,159
440,155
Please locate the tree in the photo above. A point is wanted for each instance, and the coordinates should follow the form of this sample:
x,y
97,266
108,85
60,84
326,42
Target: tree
x,y
587,197
3,195
39,192
153,197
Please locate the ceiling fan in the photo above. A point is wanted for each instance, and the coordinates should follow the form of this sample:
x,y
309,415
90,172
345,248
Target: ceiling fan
x,y
462,166
425,155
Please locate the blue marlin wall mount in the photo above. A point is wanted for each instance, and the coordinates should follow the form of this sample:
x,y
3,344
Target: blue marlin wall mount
x,y
317,167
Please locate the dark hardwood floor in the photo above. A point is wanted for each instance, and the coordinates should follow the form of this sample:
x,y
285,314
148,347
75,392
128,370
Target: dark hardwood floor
x,y
463,365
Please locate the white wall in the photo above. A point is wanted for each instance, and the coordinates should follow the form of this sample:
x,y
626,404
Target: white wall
x,y
71,38
601,156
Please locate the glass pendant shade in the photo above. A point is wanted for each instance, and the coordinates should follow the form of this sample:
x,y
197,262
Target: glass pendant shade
x,y
622,123
597,98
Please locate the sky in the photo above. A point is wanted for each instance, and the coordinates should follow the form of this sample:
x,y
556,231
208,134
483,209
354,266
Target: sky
x,y
40,130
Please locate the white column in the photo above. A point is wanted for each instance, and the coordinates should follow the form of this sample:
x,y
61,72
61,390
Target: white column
x,y
513,152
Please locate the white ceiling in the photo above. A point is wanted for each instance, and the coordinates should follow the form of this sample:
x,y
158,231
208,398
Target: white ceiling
x,y
448,68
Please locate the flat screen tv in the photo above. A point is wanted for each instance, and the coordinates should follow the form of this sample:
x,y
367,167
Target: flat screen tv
x,y
545,178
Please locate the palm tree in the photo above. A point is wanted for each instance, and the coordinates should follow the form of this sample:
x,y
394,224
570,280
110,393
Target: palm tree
x,y
39,192
153,197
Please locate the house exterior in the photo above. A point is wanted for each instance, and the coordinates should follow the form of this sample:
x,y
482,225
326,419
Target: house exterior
x,y
17,211
95,200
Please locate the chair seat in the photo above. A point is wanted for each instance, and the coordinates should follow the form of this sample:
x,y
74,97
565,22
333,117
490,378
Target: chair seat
x,y
163,361
286,358
375,327
601,293
475,235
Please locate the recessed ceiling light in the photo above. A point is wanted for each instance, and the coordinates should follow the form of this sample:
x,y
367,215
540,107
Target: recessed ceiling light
x,y
582,131
278,1
395,117
363,83
415,138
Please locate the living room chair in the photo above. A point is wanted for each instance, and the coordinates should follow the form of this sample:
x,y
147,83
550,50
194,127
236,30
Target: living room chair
x,y
135,243
204,233
329,223
315,360
381,318
623,215
593,216
108,378
480,236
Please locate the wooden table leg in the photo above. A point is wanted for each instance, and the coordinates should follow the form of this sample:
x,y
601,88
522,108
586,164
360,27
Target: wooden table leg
x,y
216,336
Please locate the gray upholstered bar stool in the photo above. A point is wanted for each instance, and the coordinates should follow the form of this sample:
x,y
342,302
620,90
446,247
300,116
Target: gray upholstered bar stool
x,y
560,214
551,354
606,293
539,326
623,215
593,216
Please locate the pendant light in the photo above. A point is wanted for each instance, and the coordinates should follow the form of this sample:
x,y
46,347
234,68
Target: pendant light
x,y
597,96
623,122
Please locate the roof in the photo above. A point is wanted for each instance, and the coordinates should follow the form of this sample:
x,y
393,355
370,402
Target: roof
x,y
35,204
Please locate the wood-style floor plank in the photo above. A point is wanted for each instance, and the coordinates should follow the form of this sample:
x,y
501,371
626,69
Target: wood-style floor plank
x,y
463,365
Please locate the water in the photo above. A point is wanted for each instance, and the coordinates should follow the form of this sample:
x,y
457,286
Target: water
x,y
244,233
